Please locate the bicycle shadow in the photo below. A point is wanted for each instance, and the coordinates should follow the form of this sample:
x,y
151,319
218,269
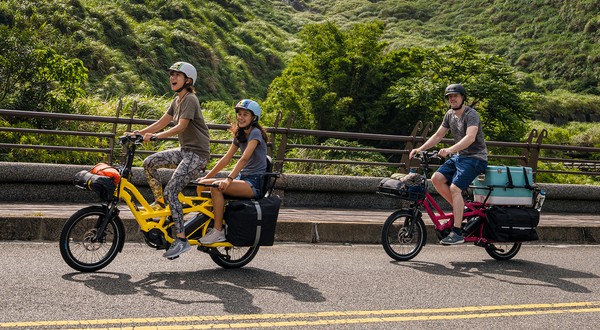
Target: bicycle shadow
x,y
230,288
508,272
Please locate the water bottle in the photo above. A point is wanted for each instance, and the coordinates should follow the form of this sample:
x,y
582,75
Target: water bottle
x,y
539,201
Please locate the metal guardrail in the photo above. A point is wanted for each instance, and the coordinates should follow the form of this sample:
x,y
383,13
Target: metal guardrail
x,y
530,150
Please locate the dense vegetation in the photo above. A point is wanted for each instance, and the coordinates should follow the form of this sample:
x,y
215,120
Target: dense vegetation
x,y
127,45
343,81
243,47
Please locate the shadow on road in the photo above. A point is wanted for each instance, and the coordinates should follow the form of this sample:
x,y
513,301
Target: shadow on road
x,y
229,287
509,272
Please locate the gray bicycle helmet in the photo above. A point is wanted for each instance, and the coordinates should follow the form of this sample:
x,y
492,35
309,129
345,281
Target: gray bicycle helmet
x,y
455,89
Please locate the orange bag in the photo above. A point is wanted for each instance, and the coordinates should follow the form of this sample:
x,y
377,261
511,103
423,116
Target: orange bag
x,y
107,170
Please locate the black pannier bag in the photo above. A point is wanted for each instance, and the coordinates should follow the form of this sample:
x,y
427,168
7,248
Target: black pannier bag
x,y
103,186
252,222
511,224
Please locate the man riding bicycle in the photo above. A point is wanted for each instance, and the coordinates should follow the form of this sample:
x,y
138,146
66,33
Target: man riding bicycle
x,y
469,159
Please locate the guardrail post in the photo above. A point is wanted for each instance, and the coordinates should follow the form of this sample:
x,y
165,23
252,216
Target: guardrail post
x,y
111,146
535,152
283,144
524,161
133,111
273,136
410,145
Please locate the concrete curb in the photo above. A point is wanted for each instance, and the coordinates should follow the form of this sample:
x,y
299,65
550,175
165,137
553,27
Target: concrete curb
x,y
35,228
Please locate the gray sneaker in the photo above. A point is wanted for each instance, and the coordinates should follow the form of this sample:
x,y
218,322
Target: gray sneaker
x,y
213,236
452,238
178,247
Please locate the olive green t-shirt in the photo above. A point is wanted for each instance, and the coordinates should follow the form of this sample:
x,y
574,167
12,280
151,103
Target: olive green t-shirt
x,y
195,137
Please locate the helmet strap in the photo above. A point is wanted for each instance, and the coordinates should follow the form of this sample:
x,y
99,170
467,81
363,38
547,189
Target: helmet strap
x,y
460,106
182,88
185,85
249,125
461,103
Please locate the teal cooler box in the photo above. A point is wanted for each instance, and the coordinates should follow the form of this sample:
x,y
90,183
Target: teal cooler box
x,y
498,177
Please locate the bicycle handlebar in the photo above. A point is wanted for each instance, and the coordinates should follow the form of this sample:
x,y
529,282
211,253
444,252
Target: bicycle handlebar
x,y
427,155
136,139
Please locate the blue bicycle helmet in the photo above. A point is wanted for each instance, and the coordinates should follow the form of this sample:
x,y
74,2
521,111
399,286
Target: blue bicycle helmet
x,y
250,106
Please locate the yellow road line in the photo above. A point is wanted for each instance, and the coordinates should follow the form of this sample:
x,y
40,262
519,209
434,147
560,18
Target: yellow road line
x,y
448,311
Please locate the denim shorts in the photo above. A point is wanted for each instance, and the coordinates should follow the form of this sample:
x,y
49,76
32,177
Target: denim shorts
x,y
461,171
254,182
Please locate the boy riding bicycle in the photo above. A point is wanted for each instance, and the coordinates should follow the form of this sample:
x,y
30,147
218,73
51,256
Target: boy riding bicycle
x,y
470,158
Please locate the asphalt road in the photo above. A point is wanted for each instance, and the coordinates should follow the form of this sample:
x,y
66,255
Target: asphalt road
x,y
301,286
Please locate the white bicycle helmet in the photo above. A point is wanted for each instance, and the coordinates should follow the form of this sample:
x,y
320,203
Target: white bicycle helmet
x,y
187,69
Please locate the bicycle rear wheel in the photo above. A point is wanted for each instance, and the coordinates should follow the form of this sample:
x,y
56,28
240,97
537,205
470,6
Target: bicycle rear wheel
x,y
396,243
234,257
76,240
503,251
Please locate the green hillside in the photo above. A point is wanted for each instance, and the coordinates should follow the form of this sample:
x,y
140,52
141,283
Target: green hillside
x,y
127,45
554,41
240,46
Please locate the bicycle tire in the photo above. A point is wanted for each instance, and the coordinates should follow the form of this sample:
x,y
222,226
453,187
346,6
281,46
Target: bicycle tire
x,y
76,247
239,256
393,238
492,250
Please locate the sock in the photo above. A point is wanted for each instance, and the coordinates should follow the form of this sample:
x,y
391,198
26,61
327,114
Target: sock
x,y
182,239
457,230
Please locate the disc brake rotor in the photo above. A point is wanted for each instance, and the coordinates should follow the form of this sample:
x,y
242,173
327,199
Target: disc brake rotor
x,y
402,236
87,241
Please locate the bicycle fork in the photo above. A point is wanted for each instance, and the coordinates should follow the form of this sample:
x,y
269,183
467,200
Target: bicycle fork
x,y
415,215
101,223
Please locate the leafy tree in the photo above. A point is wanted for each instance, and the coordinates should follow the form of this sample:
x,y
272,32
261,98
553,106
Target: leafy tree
x,y
343,81
340,80
33,77
492,88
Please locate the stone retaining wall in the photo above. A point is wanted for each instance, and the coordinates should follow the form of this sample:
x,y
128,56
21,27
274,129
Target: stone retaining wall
x,y
53,182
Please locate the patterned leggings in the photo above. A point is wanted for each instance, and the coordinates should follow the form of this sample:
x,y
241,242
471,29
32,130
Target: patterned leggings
x,y
187,165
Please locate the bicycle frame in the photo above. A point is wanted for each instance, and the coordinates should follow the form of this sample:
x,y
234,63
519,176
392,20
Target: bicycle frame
x,y
403,234
437,216
93,236
192,204
128,192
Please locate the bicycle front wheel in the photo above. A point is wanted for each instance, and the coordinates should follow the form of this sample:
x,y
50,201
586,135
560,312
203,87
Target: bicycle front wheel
x,y
78,247
395,239
235,257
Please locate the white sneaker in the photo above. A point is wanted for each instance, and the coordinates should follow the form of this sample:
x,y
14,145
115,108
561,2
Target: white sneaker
x,y
213,236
